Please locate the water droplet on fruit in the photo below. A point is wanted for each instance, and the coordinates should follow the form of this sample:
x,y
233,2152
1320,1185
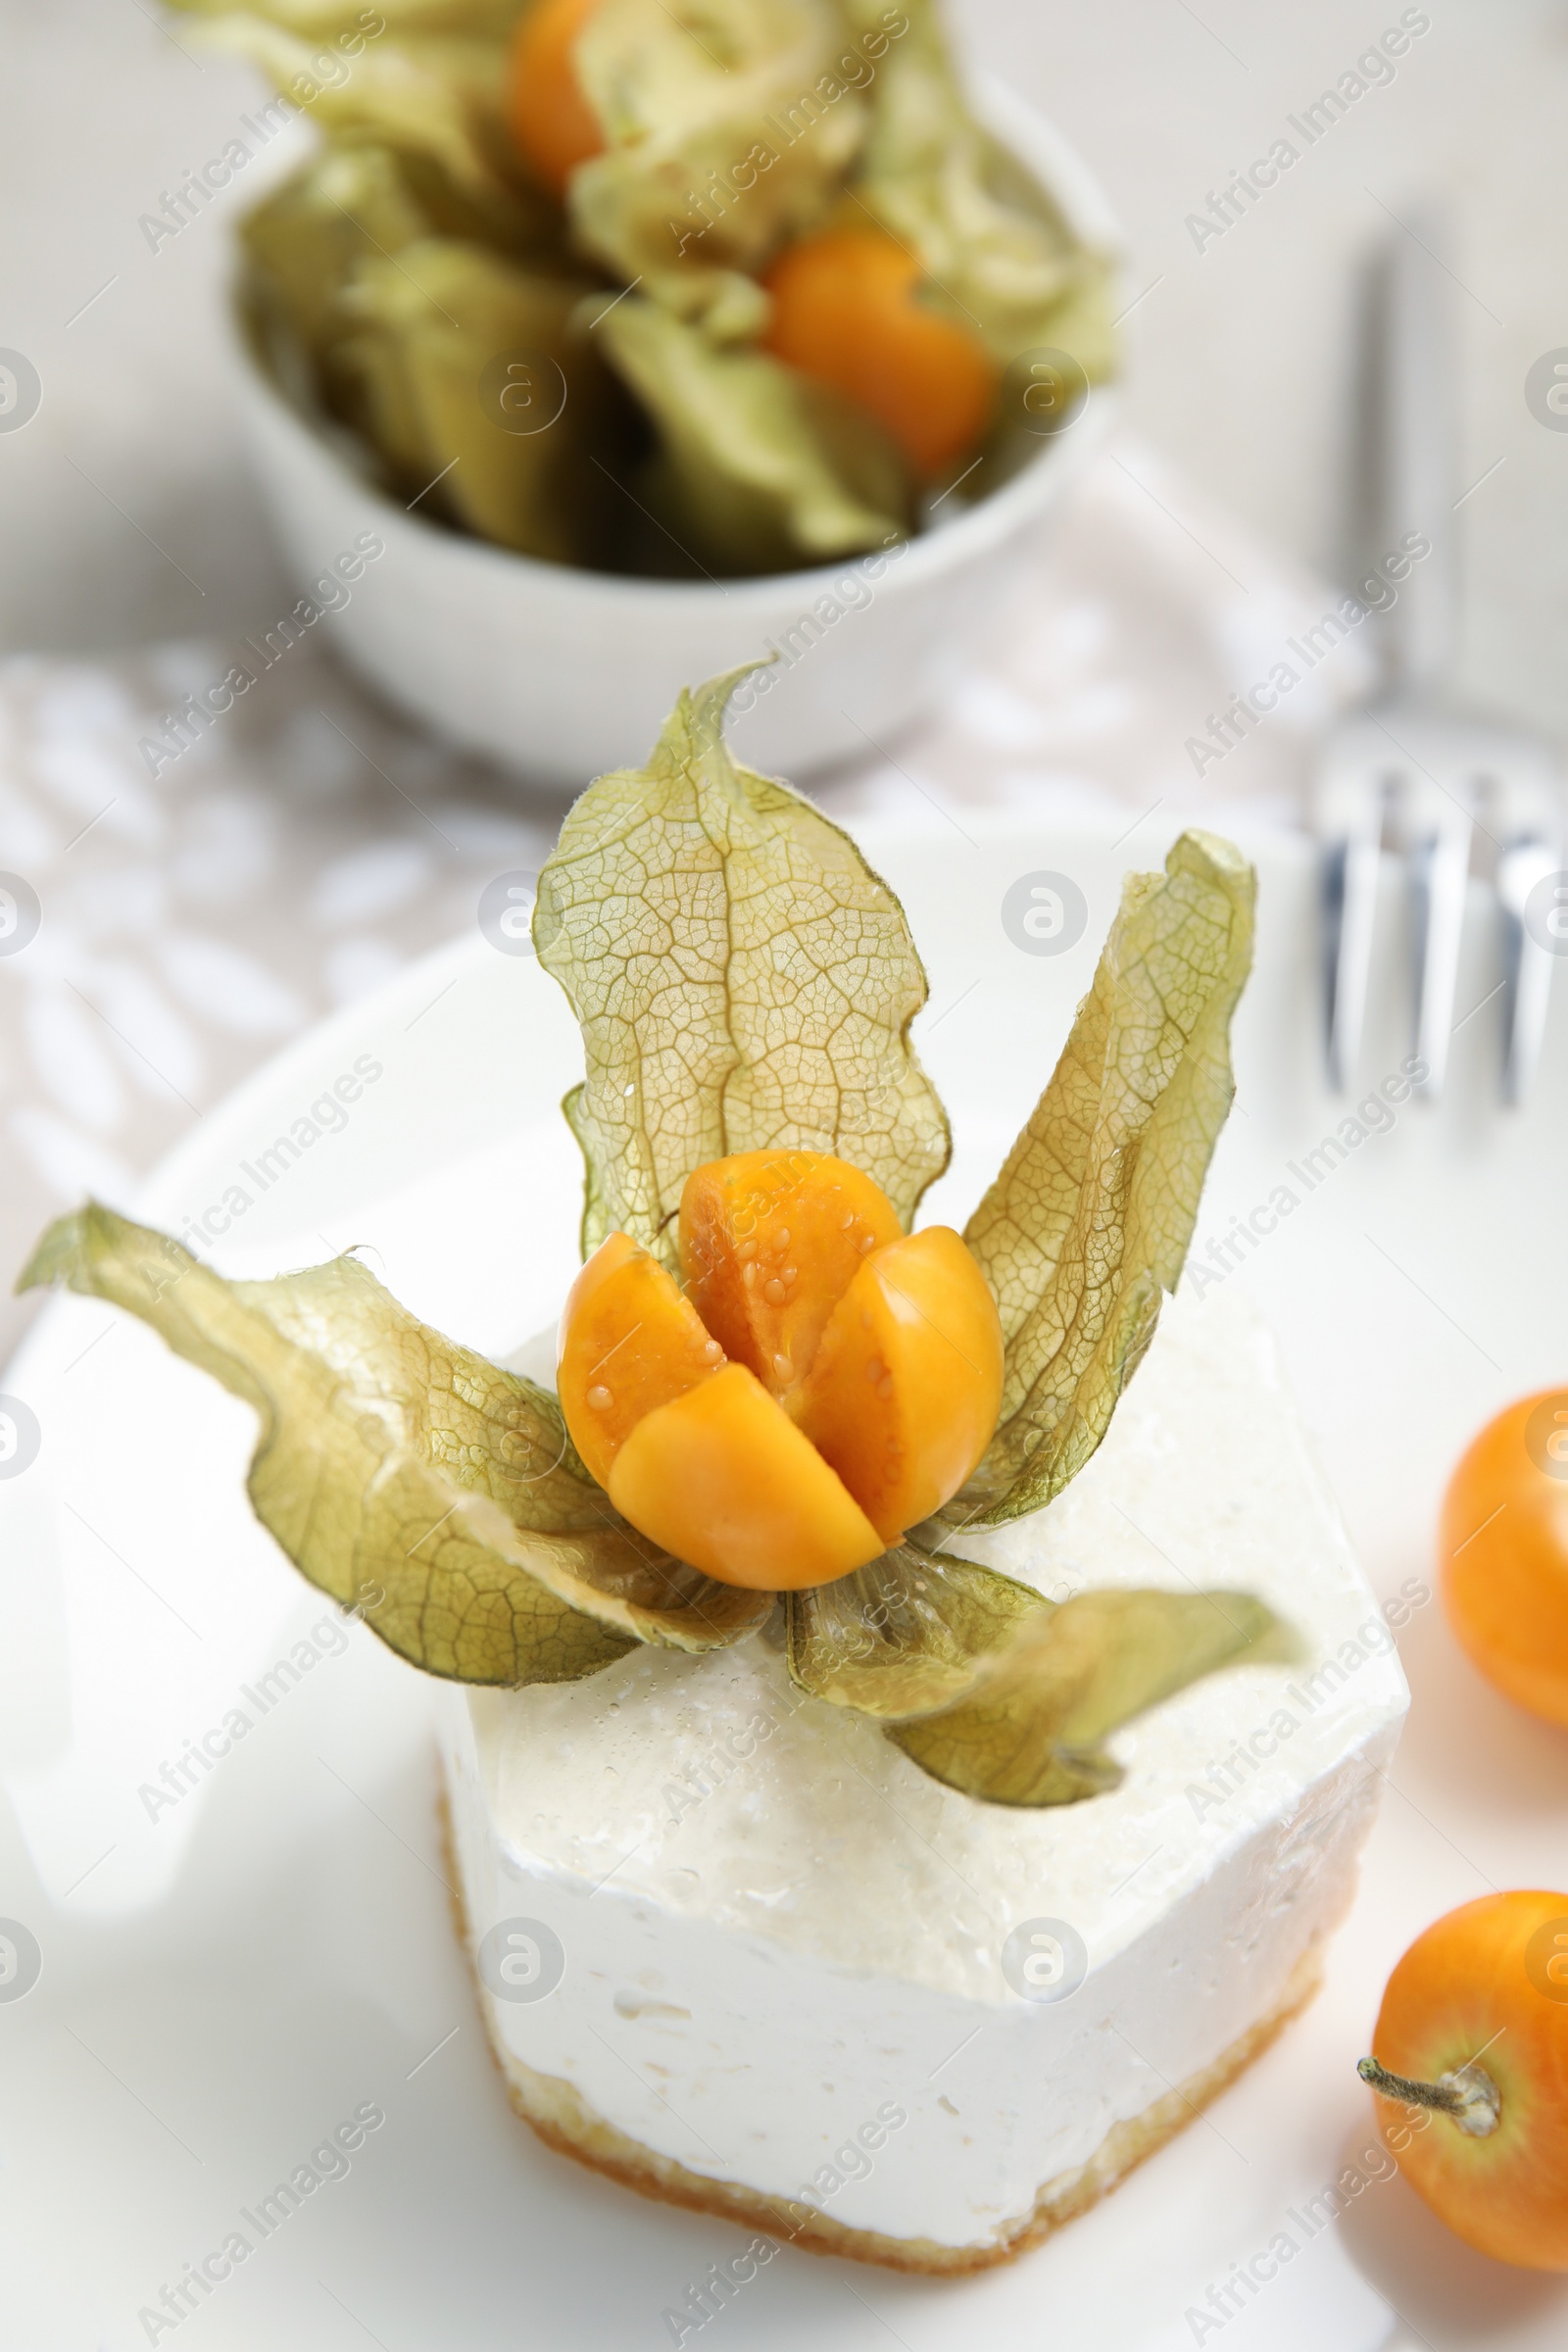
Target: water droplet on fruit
x,y
601,1400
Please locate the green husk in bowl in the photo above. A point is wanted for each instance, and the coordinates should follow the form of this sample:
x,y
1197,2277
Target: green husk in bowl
x,y
732,129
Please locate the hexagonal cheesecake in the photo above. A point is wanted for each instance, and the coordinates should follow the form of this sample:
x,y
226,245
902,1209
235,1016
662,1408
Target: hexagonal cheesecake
x,y
738,1952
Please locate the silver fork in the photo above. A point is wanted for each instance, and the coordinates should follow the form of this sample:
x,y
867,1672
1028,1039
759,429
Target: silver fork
x,y
1412,767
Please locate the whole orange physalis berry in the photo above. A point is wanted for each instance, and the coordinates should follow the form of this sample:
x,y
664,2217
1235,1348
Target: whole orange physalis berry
x,y
847,308
816,1384
1472,2074
553,125
1504,1544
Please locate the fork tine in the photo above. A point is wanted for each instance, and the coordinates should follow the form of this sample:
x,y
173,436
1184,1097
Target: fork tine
x,y
1526,801
1350,885
1526,965
1437,832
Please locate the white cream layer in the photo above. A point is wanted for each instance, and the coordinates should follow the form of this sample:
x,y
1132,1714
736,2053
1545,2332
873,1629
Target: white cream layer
x,y
776,1926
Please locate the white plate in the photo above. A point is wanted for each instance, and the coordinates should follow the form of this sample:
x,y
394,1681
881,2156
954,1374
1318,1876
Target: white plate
x,y
223,1983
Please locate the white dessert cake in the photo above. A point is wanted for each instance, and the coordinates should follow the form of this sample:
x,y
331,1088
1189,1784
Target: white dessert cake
x,y
737,1950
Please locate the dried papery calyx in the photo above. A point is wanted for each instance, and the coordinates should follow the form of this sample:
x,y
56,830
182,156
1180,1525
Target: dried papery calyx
x,y
770,1384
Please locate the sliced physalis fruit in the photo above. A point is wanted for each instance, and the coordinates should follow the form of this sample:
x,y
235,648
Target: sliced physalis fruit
x,y
629,1344
847,310
822,1383
723,1478
769,1242
550,119
904,1393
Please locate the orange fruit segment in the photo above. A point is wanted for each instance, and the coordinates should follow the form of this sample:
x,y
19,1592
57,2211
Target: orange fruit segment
x,y
846,310
769,1242
723,1478
630,1343
903,1393
552,124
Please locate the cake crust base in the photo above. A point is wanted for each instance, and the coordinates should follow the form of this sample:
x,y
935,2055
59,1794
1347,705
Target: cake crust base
x,y
564,2121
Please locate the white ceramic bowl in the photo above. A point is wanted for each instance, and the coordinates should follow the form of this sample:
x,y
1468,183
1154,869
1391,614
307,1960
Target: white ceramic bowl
x,y
562,674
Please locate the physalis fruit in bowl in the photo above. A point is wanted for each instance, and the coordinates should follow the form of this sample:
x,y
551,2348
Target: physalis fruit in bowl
x,y
656,291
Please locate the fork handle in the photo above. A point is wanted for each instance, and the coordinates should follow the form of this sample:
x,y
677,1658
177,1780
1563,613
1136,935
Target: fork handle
x,y
1417,438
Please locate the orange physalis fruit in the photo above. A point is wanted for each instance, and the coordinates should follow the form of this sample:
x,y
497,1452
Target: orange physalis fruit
x,y
1475,2017
847,310
725,1480
769,1242
822,1383
1504,1552
903,1393
630,1343
553,125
